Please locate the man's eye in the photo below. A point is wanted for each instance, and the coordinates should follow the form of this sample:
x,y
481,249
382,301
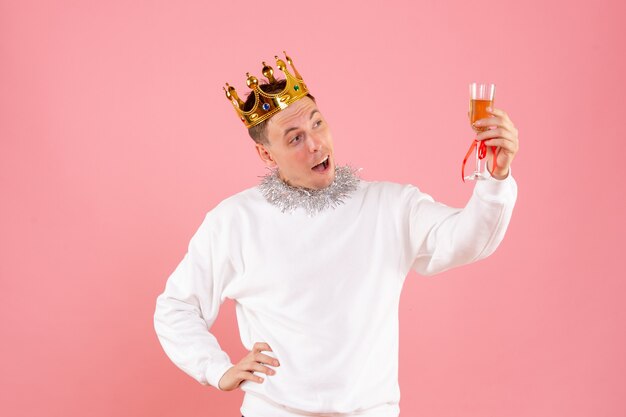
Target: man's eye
x,y
319,122
296,138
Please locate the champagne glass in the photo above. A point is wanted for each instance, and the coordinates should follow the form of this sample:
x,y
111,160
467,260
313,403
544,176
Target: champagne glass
x,y
481,97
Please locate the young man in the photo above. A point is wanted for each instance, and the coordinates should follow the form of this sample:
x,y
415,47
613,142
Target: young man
x,y
315,259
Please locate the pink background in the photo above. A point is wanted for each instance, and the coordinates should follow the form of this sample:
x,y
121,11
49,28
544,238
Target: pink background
x,y
116,139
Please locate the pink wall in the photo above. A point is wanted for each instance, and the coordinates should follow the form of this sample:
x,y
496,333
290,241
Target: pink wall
x,y
116,138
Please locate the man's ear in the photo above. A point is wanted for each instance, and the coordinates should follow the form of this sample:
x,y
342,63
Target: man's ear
x,y
265,155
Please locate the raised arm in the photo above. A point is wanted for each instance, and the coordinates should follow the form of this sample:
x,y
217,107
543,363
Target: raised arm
x,y
443,237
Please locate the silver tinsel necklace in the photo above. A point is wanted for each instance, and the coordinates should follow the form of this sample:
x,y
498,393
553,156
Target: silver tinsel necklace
x,y
288,198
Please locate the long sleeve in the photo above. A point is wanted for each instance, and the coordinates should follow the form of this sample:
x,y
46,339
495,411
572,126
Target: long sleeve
x,y
442,237
188,307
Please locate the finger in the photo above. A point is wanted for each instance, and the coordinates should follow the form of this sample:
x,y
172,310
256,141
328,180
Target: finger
x,y
506,120
498,112
502,143
250,377
263,358
495,133
495,121
255,366
259,346
509,140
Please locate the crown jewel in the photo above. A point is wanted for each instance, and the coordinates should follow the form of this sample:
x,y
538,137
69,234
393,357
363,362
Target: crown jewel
x,y
268,104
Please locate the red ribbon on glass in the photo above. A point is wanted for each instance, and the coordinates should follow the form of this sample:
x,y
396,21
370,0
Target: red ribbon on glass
x,y
482,152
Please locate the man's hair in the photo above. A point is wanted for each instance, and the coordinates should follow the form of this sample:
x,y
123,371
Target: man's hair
x,y
257,133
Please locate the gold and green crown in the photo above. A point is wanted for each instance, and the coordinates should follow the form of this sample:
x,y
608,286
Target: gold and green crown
x,y
268,104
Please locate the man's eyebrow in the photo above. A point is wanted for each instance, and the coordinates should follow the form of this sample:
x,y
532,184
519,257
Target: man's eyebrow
x,y
294,128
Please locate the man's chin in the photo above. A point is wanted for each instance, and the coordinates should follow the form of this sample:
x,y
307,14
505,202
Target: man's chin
x,y
314,180
321,183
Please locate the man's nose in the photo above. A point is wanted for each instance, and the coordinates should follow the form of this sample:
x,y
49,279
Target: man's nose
x,y
315,143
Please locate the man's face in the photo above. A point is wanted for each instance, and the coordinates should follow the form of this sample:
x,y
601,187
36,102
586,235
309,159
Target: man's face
x,y
300,145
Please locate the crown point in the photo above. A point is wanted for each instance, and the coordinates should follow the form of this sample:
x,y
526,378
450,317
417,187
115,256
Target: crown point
x,y
268,72
227,91
288,58
232,96
295,71
252,81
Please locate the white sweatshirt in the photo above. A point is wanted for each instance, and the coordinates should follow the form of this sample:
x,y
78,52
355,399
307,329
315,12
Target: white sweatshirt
x,y
322,291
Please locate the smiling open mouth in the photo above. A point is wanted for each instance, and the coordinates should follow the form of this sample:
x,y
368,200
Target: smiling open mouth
x,y
322,166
